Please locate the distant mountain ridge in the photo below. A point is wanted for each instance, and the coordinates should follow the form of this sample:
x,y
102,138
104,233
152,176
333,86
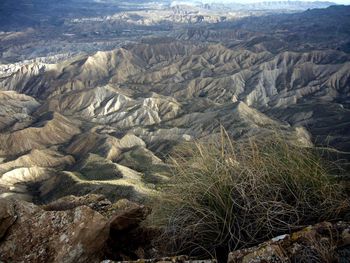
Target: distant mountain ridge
x,y
36,13
258,5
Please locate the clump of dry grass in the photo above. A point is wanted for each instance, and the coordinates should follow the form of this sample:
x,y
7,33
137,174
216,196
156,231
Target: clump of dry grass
x,y
225,195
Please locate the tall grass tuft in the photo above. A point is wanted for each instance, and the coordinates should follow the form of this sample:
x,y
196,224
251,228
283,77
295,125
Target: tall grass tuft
x,y
226,195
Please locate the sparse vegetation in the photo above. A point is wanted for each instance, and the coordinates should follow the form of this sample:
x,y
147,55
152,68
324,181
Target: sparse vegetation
x,y
226,195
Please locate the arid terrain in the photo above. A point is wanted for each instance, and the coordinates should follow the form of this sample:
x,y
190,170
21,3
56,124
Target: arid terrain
x,y
93,102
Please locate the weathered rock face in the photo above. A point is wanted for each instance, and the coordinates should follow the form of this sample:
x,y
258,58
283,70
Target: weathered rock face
x,y
7,216
129,239
72,229
90,228
324,242
76,235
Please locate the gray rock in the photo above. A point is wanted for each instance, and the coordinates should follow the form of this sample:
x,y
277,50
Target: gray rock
x,y
323,242
7,216
76,235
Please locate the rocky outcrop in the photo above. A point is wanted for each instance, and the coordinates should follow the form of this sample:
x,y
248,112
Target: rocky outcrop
x,y
91,228
131,216
71,229
7,216
323,242
77,235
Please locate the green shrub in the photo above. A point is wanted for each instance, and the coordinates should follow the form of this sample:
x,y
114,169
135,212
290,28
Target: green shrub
x,y
225,195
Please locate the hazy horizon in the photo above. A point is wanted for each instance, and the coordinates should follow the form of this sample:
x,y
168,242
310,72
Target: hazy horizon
x,y
345,2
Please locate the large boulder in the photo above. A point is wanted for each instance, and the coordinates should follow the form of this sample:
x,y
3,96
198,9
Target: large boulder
x,y
131,216
76,235
71,229
7,216
129,239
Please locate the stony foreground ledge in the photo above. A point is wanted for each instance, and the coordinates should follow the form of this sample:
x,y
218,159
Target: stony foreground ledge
x,y
323,242
91,228
71,229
